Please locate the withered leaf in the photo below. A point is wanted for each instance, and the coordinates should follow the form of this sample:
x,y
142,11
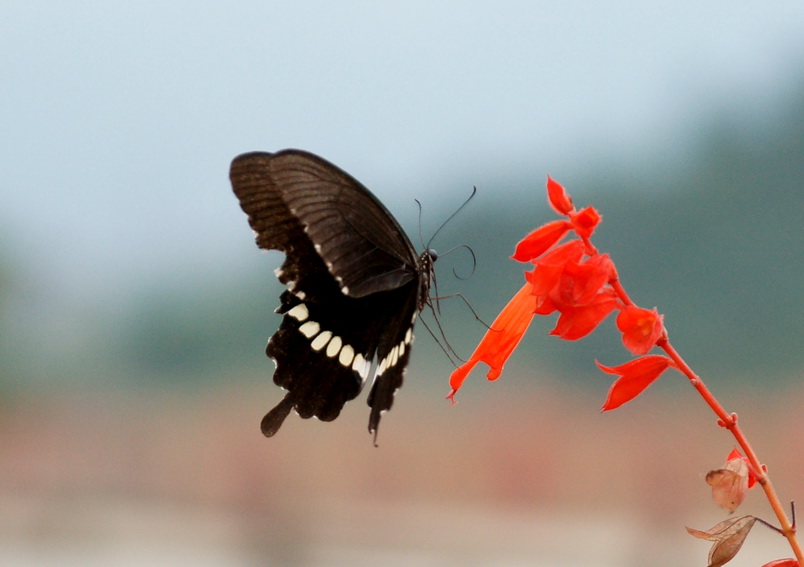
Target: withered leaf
x,y
728,536
729,484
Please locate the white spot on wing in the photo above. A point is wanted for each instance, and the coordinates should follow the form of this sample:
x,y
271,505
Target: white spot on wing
x,y
300,312
278,272
409,336
347,356
310,329
321,340
361,366
334,346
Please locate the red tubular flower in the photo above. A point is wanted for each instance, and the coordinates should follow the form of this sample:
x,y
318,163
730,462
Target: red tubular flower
x,y
500,340
641,328
558,197
540,240
575,280
635,377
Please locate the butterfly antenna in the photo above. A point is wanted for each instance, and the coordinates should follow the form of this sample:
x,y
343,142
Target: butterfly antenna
x,y
471,253
449,218
434,301
421,236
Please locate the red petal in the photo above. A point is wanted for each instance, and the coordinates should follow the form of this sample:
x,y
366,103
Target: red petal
x,y
540,240
635,377
546,276
558,197
735,454
500,340
577,322
588,277
571,251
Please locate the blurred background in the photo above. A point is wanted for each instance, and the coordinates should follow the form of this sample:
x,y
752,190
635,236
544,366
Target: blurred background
x,y
135,307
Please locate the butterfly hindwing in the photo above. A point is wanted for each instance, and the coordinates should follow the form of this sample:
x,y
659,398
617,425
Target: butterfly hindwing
x,y
354,283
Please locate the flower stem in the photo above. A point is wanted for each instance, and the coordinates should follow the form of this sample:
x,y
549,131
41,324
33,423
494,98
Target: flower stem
x,y
729,421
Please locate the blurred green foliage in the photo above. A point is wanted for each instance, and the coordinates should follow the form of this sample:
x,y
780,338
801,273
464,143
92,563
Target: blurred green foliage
x,y
716,245
713,240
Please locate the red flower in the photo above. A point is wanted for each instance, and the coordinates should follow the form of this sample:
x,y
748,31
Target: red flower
x,y
641,328
635,377
563,282
585,221
573,279
500,340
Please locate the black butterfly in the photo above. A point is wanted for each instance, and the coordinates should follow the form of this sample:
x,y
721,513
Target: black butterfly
x,y
354,283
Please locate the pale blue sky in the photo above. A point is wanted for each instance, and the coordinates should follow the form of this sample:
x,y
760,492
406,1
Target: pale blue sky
x,y
120,118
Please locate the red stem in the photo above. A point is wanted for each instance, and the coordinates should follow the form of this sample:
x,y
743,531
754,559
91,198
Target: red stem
x,y
729,421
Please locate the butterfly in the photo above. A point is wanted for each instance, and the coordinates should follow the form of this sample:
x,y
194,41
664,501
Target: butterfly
x,y
354,284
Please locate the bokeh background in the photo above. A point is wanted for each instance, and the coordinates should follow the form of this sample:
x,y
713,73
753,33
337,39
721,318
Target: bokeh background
x,y
134,306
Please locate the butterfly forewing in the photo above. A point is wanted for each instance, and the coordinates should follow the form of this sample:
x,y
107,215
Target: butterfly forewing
x,y
354,283
361,243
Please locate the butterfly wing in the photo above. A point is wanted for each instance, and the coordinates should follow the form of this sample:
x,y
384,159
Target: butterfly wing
x,y
363,246
354,283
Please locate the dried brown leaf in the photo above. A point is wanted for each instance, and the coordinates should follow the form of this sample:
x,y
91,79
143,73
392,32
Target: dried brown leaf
x,y
728,536
729,484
